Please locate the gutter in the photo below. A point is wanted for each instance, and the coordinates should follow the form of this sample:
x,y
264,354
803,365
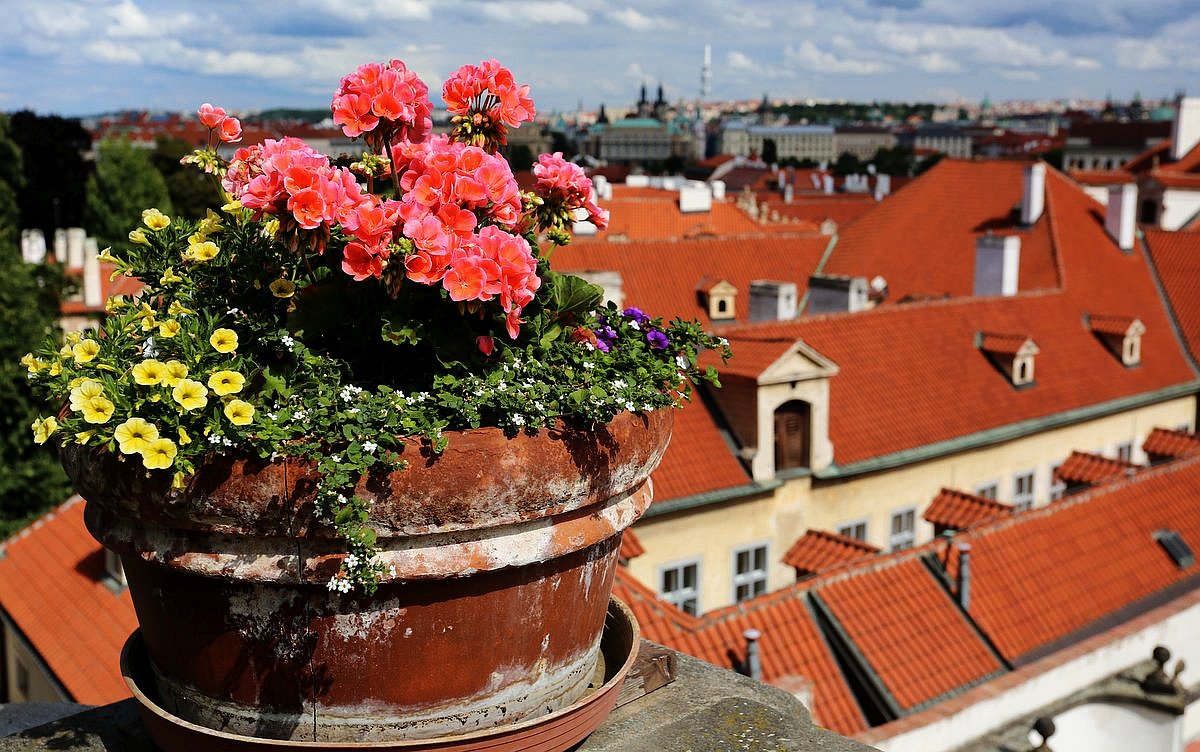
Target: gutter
x,y
1008,432
684,503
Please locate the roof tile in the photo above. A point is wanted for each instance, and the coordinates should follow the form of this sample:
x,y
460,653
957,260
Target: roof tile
x,y
959,510
819,549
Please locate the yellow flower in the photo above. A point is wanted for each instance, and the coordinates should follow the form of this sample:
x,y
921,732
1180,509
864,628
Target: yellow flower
x,y
149,373
231,207
155,220
239,413
226,382
205,251
72,338
134,435
177,309
270,228
138,237
56,368
106,256
159,454
224,340
184,439
65,351
31,363
84,437
191,395
210,224
85,351
168,328
148,322
115,303
283,288
176,371
177,480
97,410
86,390
42,428
169,277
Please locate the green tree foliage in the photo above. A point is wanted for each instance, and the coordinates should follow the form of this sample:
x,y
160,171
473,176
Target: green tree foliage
x,y
770,153
11,181
123,184
897,161
192,192
848,164
54,170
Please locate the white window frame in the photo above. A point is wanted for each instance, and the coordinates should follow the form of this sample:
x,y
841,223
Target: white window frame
x,y
754,580
1123,451
847,529
1058,487
1024,501
681,595
988,490
904,539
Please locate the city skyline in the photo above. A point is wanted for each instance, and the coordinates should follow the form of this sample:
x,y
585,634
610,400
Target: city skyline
x,y
75,58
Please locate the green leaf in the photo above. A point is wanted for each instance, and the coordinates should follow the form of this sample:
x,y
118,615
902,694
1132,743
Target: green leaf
x,y
401,334
573,295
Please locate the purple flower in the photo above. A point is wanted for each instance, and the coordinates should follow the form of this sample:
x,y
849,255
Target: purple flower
x,y
606,337
657,339
637,314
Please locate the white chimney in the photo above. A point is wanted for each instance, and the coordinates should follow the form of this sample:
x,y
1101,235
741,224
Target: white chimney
x,y
997,264
60,245
830,293
816,180
1119,216
883,186
637,181
694,196
772,301
718,190
827,183
93,294
602,187
610,281
33,246
1185,131
1034,199
788,193
75,238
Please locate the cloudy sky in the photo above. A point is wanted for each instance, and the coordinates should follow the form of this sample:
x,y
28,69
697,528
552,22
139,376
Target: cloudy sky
x,y
78,57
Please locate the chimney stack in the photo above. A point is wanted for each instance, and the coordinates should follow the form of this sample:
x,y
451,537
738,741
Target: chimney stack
x,y
1120,214
997,264
1185,130
93,292
753,662
1034,199
827,184
75,238
964,575
772,301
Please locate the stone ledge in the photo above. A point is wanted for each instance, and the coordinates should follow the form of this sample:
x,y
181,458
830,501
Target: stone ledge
x,y
706,709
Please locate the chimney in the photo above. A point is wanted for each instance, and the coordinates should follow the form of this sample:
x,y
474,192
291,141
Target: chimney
x,y
1119,216
1185,131
93,293
718,190
830,293
75,238
695,197
753,663
33,246
610,281
827,184
883,186
1034,198
997,264
788,193
772,301
964,575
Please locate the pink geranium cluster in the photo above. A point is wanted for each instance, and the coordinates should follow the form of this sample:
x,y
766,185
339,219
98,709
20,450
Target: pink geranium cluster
x,y
563,184
228,129
389,98
485,99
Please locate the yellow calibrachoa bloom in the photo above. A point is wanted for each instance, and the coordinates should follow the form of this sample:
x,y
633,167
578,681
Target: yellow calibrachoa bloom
x,y
106,256
210,224
65,352
205,251
42,428
97,409
86,390
226,382
150,372
169,277
224,340
31,363
168,328
138,237
177,480
184,439
85,351
84,437
239,413
176,309
73,338
159,454
176,371
115,303
283,288
56,368
134,435
191,395
232,206
155,220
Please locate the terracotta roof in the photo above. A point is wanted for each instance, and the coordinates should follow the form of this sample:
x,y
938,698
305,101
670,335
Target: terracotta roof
x,y
1166,442
50,586
842,209
1088,468
649,214
1149,158
820,549
919,644
1054,572
1176,257
1100,177
109,286
1004,344
1175,179
1112,325
698,459
922,239
959,510
631,547
659,621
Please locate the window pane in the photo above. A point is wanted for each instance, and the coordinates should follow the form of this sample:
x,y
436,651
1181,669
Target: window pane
x,y
670,580
689,576
743,562
760,558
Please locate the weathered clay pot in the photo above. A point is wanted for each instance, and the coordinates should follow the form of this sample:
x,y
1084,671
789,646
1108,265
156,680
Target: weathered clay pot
x,y
504,551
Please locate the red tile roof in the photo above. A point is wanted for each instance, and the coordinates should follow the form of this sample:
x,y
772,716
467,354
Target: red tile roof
x,y
649,214
910,632
819,549
1004,344
1175,179
922,239
1113,325
1176,257
1100,177
693,464
1166,442
631,547
1087,468
659,621
50,586
959,510
1046,575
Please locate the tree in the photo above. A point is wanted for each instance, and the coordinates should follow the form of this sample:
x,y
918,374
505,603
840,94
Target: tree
x,y
848,164
897,161
11,181
192,191
770,153
54,169
123,184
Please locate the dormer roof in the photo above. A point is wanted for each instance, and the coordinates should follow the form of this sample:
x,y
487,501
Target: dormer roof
x,y
818,550
1006,344
1087,468
1167,442
1116,326
959,510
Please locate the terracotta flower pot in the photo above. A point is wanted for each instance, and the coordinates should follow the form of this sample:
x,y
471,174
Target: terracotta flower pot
x,y
504,553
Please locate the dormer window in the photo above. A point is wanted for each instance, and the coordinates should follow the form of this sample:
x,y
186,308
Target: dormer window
x,y
1012,354
718,298
1122,335
113,569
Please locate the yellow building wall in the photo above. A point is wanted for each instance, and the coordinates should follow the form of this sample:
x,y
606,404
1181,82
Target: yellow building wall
x,y
40,687
711,534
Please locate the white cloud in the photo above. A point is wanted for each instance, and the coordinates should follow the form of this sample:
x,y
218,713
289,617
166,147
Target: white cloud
x,y
740,61
632,19
809,56
1021,75
374,10
937,62
534,12
1141,55
110,52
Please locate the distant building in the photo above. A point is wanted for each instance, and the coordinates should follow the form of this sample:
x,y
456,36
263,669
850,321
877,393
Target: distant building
x,y
1108,144
816,142
863,141
638,141
939,138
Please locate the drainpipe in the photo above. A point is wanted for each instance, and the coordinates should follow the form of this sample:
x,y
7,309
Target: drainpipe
x,y
964,575
753,664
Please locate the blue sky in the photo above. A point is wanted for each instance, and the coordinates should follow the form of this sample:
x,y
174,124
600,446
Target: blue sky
x,y
77,57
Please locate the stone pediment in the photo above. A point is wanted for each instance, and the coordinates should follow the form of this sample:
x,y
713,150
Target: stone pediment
x,y
799,362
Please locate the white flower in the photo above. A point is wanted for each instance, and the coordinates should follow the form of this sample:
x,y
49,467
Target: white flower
x,y
681,361
369,446
519,420
619,384
214,438
148,349
351,561
336,457
502,387
588,364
